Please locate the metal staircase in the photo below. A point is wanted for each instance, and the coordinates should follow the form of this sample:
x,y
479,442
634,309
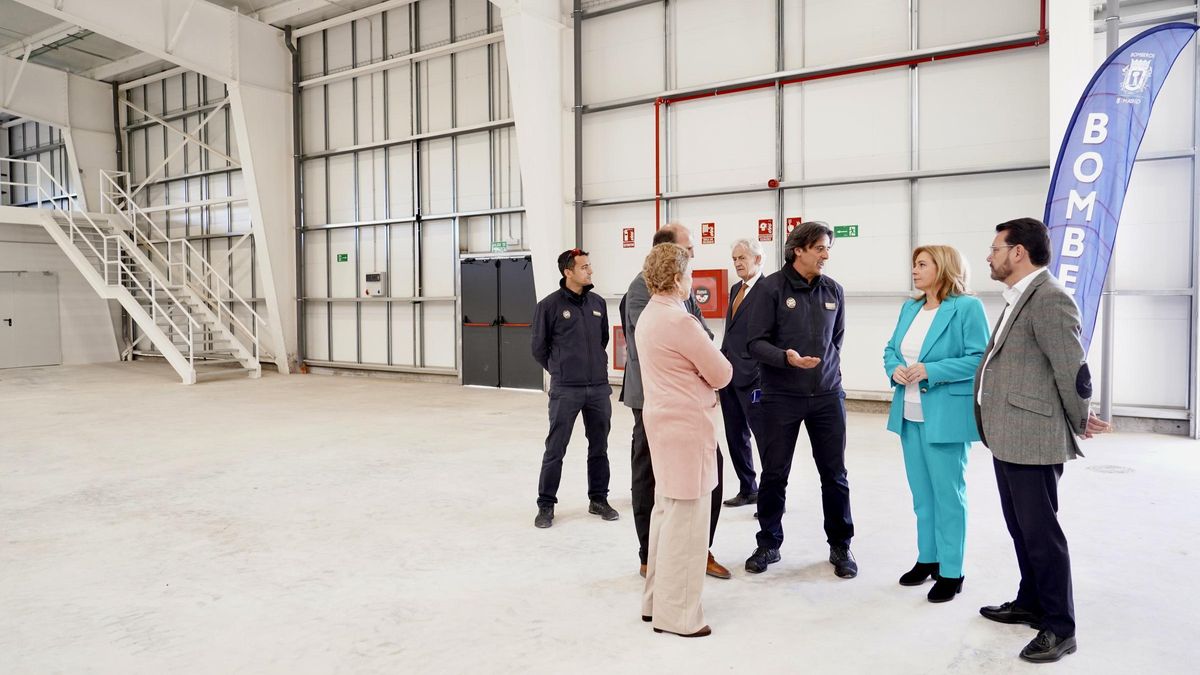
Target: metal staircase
x,y
191,315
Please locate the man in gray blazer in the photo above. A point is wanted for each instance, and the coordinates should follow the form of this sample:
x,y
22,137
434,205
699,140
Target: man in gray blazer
x,y
1032,394
640,466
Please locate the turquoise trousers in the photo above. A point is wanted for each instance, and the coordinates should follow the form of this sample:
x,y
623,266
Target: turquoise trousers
x,y
936,476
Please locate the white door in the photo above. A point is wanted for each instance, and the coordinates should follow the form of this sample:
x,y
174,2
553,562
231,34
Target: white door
x,y
29,327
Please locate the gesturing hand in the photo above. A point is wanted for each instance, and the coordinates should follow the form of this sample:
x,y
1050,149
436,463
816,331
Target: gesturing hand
x,y
796,361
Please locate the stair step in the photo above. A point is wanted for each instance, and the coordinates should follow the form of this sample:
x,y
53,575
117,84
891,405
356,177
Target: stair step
x,y
202,375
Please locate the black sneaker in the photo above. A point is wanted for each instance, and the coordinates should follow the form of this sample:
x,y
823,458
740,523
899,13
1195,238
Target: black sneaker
x,y
601,508
545,517
843,562
758,561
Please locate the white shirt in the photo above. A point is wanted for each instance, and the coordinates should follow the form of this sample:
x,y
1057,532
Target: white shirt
x,y
1011,295
910,349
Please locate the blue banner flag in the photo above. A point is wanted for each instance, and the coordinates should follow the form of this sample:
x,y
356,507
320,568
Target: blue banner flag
x,y
1087,188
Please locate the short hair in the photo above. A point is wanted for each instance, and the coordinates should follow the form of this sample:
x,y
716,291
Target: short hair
x,y
667,234
751,245
951,271
804,236
662,264
566,259
1030,233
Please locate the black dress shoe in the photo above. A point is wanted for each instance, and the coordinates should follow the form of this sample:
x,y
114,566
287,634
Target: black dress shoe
x,y
758,561
1010,613
944,589
601,508
703,632
742,500
918,574
1048,648
843,562
545,517
647,619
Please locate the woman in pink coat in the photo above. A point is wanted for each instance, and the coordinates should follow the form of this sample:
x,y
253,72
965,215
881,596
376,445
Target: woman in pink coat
x,y
681,371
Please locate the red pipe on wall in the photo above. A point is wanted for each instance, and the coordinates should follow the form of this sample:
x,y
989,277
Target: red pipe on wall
x,y
1043,36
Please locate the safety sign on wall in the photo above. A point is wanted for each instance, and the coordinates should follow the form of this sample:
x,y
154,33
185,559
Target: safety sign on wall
x,y
766,229
708,233
791,225
627,234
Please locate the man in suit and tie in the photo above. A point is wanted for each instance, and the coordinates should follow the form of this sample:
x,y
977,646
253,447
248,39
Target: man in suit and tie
x,y
1032,397
640,466
737,405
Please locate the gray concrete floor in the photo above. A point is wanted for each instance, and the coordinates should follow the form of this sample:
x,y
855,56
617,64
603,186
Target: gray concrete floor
x,y
320,524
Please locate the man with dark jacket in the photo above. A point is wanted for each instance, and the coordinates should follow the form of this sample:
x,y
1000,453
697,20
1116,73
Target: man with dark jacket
x,y
796,328
640,466
739,407
570,333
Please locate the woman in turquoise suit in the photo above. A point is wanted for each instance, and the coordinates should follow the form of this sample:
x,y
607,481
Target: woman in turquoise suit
x,y
931,359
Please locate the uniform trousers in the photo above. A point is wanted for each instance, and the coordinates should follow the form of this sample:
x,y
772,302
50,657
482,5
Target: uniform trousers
x,y
566,402
676,564
937,479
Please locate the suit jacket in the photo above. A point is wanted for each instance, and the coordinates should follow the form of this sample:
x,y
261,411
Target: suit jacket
x,y
681,369
951,353
1036,389
734,344
632,304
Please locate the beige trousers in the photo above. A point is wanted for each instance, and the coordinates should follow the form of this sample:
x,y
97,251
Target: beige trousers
x,y
676,562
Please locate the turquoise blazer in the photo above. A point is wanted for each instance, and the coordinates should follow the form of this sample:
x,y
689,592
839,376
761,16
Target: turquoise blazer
x,y
951,354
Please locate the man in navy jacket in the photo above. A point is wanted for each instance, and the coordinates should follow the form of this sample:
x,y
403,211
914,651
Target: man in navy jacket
x,y
738,407
570,334
796,328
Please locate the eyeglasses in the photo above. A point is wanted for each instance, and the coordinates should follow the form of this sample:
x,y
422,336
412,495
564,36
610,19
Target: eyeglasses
x,y
993,249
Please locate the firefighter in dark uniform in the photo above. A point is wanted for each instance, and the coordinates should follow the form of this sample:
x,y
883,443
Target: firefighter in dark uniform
x,y
570,333
795,333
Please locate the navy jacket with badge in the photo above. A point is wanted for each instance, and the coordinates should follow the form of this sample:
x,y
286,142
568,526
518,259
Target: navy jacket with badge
x,y
791,313
570,333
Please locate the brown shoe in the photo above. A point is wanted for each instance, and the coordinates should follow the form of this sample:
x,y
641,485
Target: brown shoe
x,y
703,632
716,569
642,571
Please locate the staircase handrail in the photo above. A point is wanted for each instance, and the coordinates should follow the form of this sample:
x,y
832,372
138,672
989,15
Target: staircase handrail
x,y
190,273
44,197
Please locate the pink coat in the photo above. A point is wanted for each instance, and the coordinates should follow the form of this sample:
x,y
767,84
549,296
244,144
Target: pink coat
x,y
681,371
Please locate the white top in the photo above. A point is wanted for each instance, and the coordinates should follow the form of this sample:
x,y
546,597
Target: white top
x,y
1011,295
910,349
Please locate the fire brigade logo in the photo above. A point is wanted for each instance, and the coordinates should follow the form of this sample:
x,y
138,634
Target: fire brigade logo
x,y
702,295
1137,75
791,303
566,313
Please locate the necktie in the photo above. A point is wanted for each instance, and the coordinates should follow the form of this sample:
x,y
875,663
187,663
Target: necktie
x,y
737,301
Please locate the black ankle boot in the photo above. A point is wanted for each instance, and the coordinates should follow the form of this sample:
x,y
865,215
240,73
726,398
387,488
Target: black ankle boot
x,y
918,574
945,589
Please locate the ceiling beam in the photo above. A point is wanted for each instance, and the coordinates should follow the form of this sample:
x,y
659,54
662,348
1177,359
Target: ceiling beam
x,y
37,40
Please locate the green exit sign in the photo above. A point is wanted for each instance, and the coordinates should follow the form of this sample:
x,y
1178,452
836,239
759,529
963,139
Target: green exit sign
x,y
343,257
499,246
840,231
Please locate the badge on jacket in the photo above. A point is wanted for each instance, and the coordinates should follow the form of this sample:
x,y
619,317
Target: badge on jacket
x,y
791,303
566,313
595,312
831,305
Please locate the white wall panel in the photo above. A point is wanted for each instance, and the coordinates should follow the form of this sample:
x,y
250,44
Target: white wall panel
x,y
434,22
1151,343
437,177
345,332
623,54
404,338
984,110
315,256
615,266
435,94
342,276
399,38
316,336
401,276
439,257
1153,249
374,332
400,177
618,153
869,325
1172,124
854,126
473,179
341,189
876,260
836,31
470,17
441,348
399,101
722,141
341,114
735,216
716,40
943,22
471,87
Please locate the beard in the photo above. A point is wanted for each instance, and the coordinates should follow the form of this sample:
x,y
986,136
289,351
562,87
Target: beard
x,y
1002,272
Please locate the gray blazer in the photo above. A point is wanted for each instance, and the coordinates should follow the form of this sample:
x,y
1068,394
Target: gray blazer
x,y
1036,387
632,305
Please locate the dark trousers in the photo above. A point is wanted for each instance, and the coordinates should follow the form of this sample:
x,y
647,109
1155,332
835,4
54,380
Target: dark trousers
x,y
565,405
642,471
741,417
1029,500
825,419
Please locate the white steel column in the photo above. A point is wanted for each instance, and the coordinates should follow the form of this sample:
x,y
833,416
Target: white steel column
x,y
82,108
262,122
535,39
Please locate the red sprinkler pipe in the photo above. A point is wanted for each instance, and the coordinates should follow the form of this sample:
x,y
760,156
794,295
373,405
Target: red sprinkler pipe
x,y
1042,37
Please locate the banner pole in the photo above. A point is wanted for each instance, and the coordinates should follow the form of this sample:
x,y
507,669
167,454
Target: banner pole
x,y
1112,32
